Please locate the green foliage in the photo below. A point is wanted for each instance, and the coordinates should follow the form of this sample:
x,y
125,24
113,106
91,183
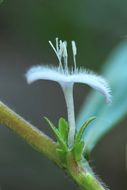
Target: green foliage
x,y
63,129
58,135
61,134
80,133
107,115
78,150
79,143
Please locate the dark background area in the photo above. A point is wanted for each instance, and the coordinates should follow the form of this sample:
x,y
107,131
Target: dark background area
x,y
25,28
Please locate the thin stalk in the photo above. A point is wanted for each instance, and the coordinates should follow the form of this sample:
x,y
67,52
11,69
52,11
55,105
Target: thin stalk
x,y
68,93
38,140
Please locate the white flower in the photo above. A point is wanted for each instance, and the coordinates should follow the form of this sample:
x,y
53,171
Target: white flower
x,y
66,78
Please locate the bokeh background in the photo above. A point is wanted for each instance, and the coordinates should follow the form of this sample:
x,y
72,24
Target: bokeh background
x,y
97,26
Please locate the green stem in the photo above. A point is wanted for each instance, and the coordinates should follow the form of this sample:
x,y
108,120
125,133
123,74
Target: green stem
x,y
82,174
29,133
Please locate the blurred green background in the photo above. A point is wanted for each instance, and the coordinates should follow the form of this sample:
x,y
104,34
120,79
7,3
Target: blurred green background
x,y
97,26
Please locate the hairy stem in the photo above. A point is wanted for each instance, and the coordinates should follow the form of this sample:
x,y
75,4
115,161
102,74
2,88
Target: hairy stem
x,y
82,174
38,140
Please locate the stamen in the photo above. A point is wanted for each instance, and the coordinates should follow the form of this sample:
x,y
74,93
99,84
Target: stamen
x,y
60,49
65,56
57,46
65,49
74,50
56,52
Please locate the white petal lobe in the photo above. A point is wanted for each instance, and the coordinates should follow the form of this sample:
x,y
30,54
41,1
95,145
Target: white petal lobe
x,y
61,76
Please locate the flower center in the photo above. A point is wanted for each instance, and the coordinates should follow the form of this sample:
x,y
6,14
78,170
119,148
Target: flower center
x,y
62,55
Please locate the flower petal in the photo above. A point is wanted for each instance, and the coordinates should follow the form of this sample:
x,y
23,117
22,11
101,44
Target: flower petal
x,y
78,76
94,81
46,73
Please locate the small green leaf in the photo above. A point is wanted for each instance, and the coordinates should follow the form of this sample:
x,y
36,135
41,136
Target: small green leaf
x,y
63,129
62,155
57,134
78,150
82,129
